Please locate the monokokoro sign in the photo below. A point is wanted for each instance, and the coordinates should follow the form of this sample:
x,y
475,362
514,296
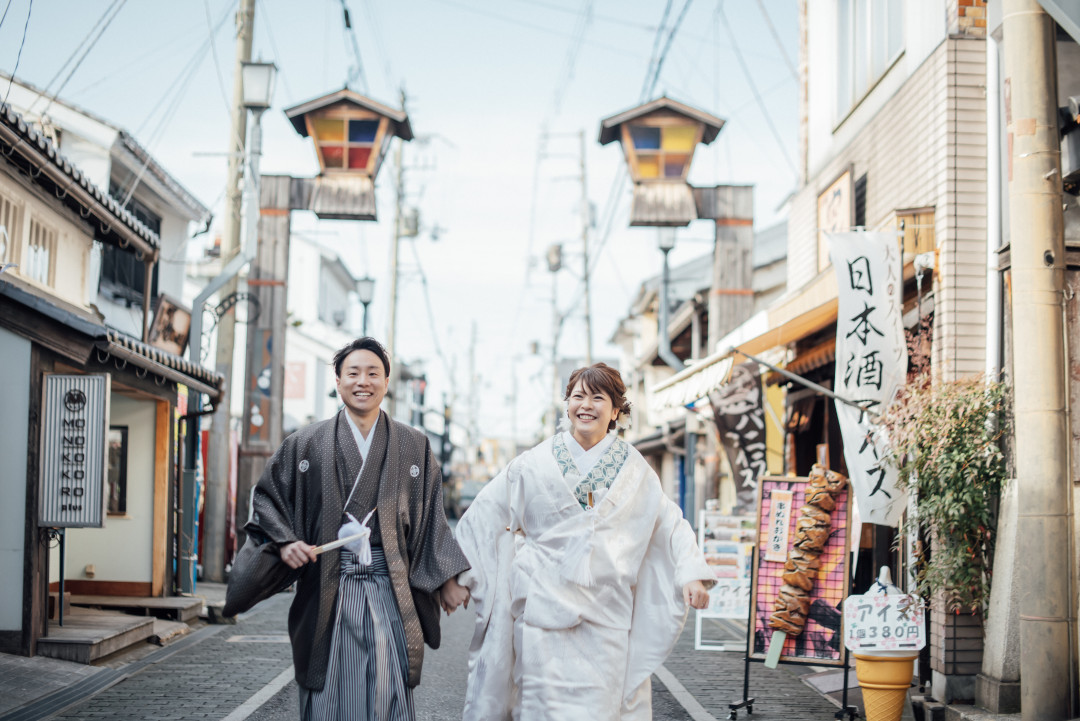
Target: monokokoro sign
x,y
75,422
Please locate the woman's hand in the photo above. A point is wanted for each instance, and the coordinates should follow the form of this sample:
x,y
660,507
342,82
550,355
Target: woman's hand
x,y
297,553
453,594
695,595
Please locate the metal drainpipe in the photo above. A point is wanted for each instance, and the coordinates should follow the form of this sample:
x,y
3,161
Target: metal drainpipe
x,y
1042,423
663,341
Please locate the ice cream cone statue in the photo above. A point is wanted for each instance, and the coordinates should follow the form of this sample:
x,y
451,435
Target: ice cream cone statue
x,y
884,628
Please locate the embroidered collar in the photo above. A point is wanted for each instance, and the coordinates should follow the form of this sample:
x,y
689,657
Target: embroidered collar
x,y
602,474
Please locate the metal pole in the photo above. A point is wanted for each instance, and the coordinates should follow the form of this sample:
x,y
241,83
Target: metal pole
x,y
804,382
391,333
1042,423
217,457
663,340
585,253
63,543
364,327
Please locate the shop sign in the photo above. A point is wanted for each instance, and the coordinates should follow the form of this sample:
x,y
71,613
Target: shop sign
x,y
884,622
740,421
871,364
74,426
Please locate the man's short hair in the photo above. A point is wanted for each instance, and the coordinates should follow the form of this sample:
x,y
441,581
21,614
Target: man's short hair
x,y
365,343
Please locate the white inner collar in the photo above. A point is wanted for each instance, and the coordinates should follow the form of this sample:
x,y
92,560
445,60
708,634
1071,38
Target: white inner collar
x,y
363,444
586,459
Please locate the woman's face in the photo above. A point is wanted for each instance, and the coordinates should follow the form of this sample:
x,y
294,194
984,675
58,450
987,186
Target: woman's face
x,y
590,413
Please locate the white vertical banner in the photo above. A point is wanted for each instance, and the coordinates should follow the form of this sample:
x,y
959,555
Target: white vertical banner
x,y
871,363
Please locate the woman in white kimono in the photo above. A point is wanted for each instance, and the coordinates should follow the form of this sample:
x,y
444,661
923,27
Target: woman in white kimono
x,y
582,572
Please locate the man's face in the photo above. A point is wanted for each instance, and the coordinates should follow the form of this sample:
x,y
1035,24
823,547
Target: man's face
x,y
362,383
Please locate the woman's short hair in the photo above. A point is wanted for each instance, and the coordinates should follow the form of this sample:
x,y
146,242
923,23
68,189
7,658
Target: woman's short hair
x,y
365,343
600,377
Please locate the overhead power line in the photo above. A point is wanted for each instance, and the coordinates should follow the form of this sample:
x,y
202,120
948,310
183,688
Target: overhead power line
x,y
779,43
753,87
119,5
18,57
4,16
356,72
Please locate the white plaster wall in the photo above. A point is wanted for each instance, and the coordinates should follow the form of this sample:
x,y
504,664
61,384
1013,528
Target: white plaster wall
x,y
14,383
121,551
73,242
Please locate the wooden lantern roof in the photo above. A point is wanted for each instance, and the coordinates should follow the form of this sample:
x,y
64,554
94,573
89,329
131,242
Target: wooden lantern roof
x,y
610,128
298,113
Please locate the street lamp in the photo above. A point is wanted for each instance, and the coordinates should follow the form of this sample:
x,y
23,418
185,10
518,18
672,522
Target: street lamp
x,y
666,241
258,85
365,288
257,80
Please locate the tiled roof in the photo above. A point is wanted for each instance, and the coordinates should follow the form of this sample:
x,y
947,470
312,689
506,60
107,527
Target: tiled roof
x,y
154,359
21,137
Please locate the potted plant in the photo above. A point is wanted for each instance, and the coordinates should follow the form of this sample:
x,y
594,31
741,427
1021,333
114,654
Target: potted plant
x,y
944,440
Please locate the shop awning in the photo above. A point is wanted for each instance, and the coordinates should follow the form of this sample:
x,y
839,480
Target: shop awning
x,y
790,319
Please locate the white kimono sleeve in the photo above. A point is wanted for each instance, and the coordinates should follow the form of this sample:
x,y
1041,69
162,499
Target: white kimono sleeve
x,y
483,536
672,560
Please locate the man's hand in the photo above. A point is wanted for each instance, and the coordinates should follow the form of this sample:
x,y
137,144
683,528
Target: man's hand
x,y
453,594
297,553
695,595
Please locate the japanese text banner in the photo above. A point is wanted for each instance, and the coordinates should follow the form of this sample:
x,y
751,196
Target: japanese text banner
x,y
871,363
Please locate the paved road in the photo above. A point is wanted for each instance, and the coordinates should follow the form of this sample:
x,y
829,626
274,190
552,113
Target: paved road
x,y
441,695
243,673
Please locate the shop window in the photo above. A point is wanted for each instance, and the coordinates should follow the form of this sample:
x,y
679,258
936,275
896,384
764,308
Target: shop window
x,y
869,39
10,229
40,261
917,228
118,450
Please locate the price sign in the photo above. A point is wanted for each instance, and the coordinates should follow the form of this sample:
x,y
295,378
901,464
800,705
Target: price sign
x,y
880,622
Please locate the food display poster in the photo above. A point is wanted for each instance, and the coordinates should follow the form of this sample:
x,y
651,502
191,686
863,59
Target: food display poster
x,y
821,641
727,543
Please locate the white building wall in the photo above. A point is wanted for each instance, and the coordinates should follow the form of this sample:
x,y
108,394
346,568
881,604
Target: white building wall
x,y
73,242
122,550
15,360
926,147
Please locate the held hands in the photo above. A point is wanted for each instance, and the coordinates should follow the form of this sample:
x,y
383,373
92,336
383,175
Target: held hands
x,y
695,595
297,553
451,595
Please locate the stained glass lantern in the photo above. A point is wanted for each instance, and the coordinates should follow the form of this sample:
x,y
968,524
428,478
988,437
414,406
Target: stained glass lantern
x,y
351,132
658,140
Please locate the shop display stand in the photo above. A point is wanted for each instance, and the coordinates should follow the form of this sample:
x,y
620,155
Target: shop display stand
x,y
747,701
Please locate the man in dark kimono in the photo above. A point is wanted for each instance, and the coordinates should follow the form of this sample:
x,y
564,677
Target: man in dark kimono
x,y
358,628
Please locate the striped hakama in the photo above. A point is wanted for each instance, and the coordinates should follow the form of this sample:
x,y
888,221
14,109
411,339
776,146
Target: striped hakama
x,y
368,666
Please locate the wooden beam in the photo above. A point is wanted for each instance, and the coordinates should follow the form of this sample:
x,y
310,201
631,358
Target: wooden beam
x,y
160,526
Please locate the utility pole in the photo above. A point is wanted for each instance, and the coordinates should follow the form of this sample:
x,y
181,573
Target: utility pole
x,y
555,352
391,333
585,252
474,396
1042,423
218,458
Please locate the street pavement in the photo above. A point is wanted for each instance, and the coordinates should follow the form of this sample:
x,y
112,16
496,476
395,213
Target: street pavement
x,y
242,673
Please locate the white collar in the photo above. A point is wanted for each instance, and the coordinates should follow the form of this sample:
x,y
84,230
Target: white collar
x,y
362,444
586,459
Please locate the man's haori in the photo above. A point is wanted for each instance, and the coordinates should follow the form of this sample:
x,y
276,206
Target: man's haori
x,y
300,497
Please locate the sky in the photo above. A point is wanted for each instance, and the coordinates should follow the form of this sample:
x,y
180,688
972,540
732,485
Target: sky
x,y
497,94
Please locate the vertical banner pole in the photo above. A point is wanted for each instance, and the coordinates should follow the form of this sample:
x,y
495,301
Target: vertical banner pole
x,y
60,600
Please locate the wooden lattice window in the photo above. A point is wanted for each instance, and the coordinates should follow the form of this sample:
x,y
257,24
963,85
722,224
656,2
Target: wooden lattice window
x,y
917,227
40,260
11,235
